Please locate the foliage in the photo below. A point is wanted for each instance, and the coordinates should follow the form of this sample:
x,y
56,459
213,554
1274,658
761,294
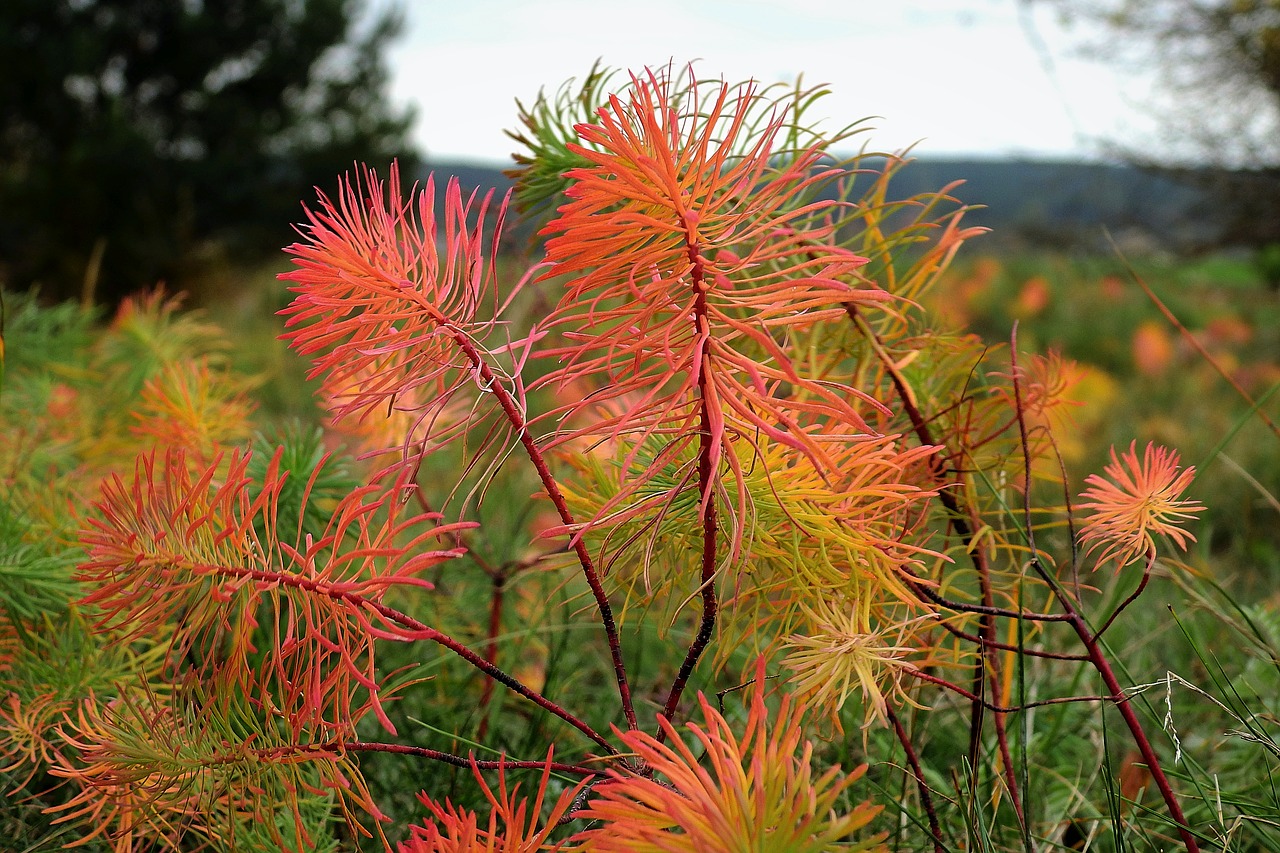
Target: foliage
x,y
1143,378
1219,64
512,825
1136,500
76,404
134,132
719,434
757,793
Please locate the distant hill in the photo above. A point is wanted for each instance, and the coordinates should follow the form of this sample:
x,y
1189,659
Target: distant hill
x,y
1055,204
1067,204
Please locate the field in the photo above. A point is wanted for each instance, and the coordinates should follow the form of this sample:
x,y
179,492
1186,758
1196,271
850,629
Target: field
x,y
945,535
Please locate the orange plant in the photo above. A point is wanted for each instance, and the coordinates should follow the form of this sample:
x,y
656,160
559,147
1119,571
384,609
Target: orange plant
x,y
744,428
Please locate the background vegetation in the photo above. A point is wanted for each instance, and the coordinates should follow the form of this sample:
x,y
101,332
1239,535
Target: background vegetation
x,y
144,141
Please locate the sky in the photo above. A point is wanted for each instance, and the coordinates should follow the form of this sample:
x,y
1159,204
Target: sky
x,y
986,78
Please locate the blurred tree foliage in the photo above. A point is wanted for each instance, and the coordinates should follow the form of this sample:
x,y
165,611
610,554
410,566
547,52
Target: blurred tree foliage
x,y
1220,62
136,133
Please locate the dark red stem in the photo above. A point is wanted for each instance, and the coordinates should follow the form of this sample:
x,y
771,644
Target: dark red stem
x,y
1103,666
987,665
491,647
1011,709
1142,584
412,629
921,588
926,796
1090,638
707,502
1007,647
460,761
517,419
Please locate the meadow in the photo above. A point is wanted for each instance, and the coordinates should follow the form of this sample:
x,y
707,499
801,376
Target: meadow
x,y
767,512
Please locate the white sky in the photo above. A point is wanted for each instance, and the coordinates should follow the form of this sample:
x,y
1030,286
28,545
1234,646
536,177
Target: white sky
x,y
951,76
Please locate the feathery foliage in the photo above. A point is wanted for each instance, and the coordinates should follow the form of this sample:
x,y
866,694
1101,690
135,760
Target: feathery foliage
x,y
753,451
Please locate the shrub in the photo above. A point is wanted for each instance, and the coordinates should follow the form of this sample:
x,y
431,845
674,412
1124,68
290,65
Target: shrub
x,y
752,453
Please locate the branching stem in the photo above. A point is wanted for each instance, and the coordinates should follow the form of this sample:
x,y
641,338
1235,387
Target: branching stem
x,y
1090,638
1099,661
1008,647
499,580
926,796
1142,585
1010,709
460,761
412,629
517,419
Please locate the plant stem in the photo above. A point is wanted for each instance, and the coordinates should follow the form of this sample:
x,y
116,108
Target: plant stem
x,y
411,629
926,796
921,588
1011,709
1007,647
707,504
987,662
1087,636
1142,584
458,760
419,630
499,579
1103,666
517,419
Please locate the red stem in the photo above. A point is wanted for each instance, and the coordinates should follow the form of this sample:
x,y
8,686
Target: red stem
x,y
921,588
1011,709
926,796
1142,584
987,663
1006,647
1089,638
458,760
1103,666
419,631
491,648
517,420
1096,657
706,493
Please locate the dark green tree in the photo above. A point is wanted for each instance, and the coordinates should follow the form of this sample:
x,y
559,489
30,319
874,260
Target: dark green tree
x,y
136,132
1219,115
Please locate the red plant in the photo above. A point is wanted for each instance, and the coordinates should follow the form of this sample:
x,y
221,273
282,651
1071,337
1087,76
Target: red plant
x,y
398,307
687,266
203,550
512,827
742,410
1140,500
754,791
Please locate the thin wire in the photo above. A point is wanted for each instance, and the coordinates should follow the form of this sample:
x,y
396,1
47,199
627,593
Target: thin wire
x,y
1027,21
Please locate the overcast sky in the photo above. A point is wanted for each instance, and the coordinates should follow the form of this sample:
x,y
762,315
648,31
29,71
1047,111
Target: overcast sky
x,y
968,77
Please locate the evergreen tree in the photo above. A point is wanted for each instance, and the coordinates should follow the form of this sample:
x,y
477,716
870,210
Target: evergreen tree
x,y
133,131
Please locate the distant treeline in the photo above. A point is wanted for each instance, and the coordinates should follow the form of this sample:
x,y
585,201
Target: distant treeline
x,y
1048,204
